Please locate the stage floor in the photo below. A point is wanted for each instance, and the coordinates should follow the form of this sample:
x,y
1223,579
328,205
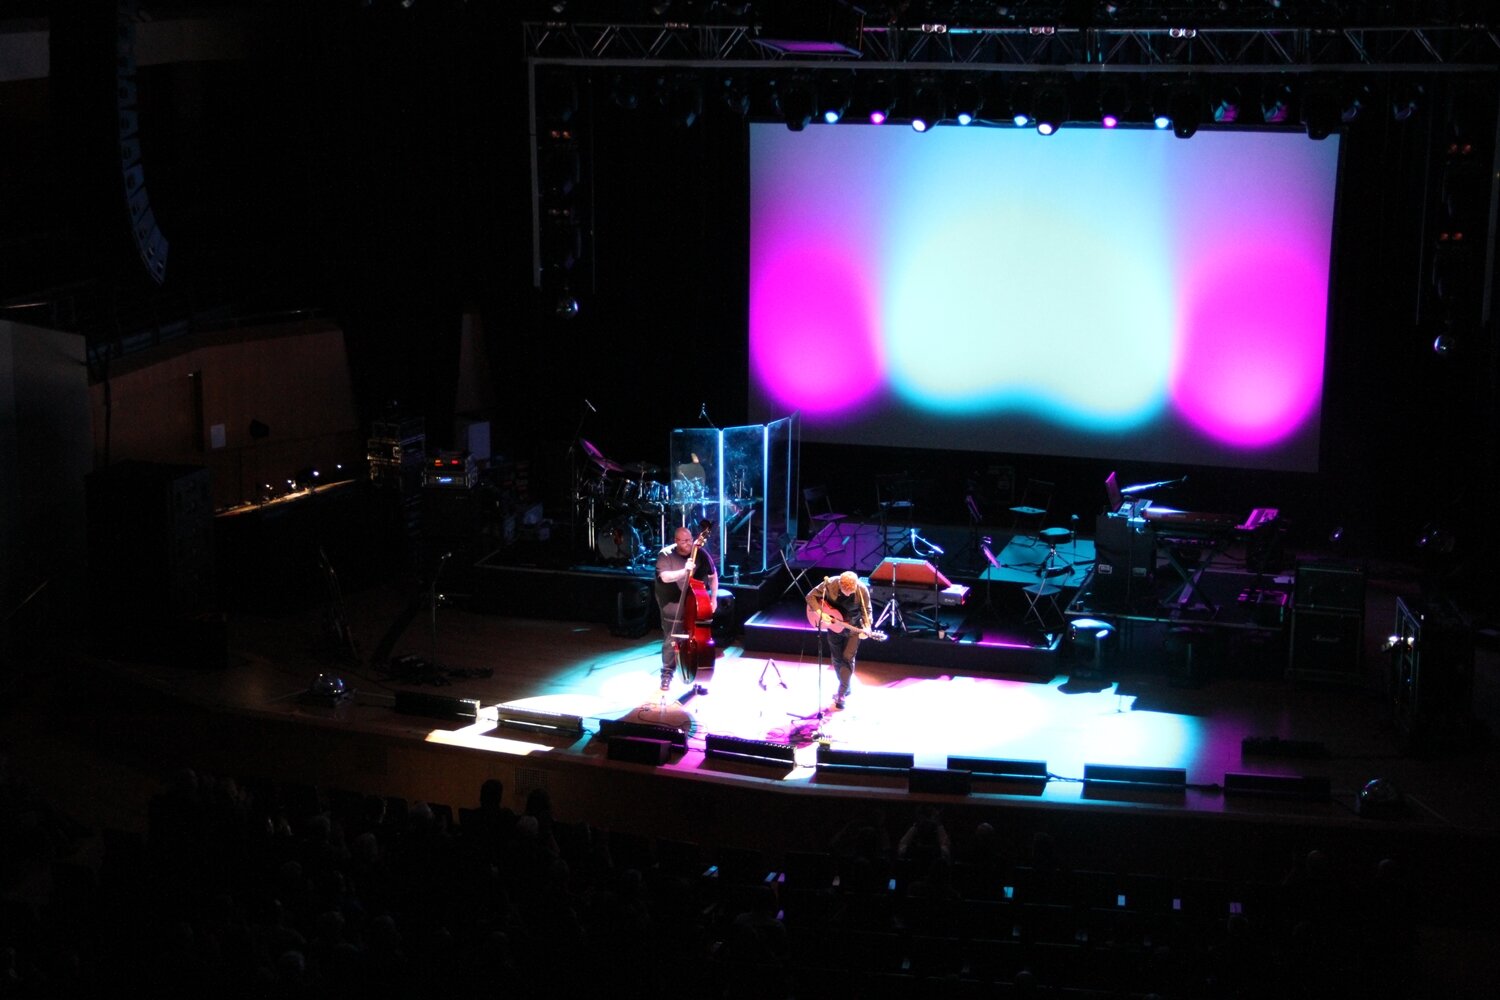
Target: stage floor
x,y
1144,713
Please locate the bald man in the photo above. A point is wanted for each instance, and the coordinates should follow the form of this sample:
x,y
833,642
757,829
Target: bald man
x,y
848,597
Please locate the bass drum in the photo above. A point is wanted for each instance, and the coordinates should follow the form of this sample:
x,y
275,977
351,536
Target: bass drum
x,y
618,541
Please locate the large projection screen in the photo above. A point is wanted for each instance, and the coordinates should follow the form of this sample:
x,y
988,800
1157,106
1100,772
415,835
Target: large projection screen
x,y
1115,294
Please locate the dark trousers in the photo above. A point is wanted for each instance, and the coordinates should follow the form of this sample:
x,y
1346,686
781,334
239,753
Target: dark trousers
x,y
842,649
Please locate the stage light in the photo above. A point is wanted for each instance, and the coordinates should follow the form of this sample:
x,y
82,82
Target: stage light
x,y
796,102
1320,110
684,101
1405,98
927,108
1226,104
880,98
1354,102
1114,101
736,96
1051,108
835,94
624,92
1186,110
968,101
1275,103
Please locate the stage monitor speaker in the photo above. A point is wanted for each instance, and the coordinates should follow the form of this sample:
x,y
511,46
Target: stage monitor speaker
x,y
1329,586
1326,646
992,768
436,706
612,728
938,781
862,760
639,750
547,723
1173,777
780,755
1286,786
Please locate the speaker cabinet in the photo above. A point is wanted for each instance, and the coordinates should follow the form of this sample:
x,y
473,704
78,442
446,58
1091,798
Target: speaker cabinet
x,y
436,706
639,750
1326,645
1123,560
1330,586
939,781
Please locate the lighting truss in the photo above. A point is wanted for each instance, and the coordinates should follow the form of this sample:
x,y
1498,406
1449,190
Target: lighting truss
x,y
1274,48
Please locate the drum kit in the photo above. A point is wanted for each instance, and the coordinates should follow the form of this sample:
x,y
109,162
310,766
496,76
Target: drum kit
x,y
627,507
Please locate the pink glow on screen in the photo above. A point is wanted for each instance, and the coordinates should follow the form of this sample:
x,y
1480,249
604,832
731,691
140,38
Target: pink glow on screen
x,y
813,342
1250,367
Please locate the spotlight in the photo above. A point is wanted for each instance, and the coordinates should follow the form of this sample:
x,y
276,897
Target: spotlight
x,y
796,102
566,306
1405,97
1275,103
835,94
736,97
880,97
1020,105
1444,344
1185,111
1051,108
1114,101
968,101
1320,110
927,107
1226,104
1354,102
624,92
684,102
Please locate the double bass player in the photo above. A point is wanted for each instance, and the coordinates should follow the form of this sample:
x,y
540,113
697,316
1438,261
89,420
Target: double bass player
x,y
676,565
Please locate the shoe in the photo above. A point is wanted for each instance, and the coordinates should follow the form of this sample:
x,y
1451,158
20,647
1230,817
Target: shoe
x,y
666,683
838,704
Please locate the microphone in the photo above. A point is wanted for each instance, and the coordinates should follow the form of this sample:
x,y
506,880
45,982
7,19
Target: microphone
x,y
590,406
703,411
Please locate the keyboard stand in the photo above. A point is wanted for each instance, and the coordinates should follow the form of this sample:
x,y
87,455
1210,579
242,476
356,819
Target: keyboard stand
x,y
1188,593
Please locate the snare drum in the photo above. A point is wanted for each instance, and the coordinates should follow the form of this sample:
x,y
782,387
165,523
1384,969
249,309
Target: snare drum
x,y
618,541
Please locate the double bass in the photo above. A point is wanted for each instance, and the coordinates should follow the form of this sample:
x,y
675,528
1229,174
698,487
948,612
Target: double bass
x,y
695,643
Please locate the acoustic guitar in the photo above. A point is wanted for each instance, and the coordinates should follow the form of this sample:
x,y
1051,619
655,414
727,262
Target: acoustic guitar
x,y
837,623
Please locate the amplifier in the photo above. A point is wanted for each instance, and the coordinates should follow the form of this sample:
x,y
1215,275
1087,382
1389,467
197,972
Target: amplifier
x,y
1326,645
1330,586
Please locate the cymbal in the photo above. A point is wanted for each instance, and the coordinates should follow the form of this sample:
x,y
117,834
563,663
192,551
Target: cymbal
x,y
643,468
594,455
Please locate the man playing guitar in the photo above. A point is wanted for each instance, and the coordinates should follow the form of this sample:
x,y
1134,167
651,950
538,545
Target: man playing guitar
x,y
840,609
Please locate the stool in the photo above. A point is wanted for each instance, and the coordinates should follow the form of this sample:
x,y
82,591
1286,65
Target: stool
x,y
1054,564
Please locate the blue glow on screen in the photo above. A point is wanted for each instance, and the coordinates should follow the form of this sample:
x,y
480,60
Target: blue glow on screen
x,y
1114,293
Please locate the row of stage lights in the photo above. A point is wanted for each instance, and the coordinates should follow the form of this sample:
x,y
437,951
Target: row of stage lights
x,y
1320,105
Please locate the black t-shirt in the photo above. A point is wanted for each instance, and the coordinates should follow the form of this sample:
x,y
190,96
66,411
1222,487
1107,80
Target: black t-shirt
x,y
668,559
849,605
